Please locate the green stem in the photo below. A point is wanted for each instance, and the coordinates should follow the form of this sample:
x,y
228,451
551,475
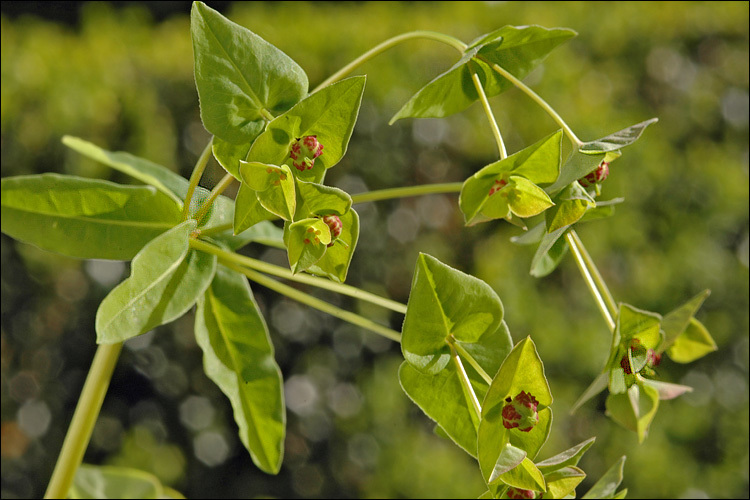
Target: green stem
x,y
465,382
488,111
195,177
403,192
596,275
590,281
215,192
84,418
216,229
266,114
535,97
305,298
382,47
241,260
473,362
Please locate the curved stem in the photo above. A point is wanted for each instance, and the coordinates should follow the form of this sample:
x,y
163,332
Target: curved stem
x,y
215,192
84,418
466,383
241,260
600,283
403,192
535,97
488,111
382,47
590,281
266,114
195,177
307,299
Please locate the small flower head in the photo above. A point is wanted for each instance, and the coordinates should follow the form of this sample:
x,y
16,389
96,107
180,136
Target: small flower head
x,y
334,224
497,186
598,176
304,151
521,412
519,493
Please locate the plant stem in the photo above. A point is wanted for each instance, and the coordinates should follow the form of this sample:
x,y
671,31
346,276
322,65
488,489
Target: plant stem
x,y
195,177
535,97
403,192
215,192
488,111
382,47
241,260
465,382
307,299
600,283
590,281
84,418
266,114
473,362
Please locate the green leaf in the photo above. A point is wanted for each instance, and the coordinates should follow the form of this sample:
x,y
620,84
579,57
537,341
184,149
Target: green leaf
x,y
247,210
667,390
274,187
443,302
329,114
516,49
239,358
263,232
572,203
306,242
165,280
675,322
549,253
509,458
316,199
229,155
238,74
635,323
598,385
84,218
115,482
334,264
577,165
606,486
567,458
618,140
694,343
602,210
441,396
525,476
170,183
634,409
563,482
509,184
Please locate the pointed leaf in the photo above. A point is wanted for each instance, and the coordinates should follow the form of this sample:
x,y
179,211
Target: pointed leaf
x,y
526,476
568,458
607,485
516,49
84,218
166,279
598,385
675,322
563,482
329,114
636,323
316,199
229,155
238,74
263,232
239,358
491,350
618,140
634,409
274,187
694,343
544,263
577,165
509,458
602,210
667,390
525,198
334,264
443,302
572,204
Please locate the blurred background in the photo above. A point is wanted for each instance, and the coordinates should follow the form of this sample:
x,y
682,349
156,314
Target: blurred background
x,y
119,74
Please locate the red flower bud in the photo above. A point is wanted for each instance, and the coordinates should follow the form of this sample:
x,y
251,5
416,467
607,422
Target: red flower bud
x,y
597,176
304,151
497,186
521,412
334,224
519,493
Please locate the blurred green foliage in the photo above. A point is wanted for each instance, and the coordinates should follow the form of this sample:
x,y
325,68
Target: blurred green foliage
x,y
123,81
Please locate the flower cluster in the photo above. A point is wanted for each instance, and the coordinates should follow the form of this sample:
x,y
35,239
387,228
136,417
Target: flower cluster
x,y
521,412
304,151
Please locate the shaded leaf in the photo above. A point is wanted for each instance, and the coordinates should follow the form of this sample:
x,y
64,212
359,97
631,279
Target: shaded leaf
x,y
334,264
618,140
567,458
166,278
675,322
239,358
84,218
634,409
274,187
238,74
667,390
606,486
264,232
307,241
115,482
